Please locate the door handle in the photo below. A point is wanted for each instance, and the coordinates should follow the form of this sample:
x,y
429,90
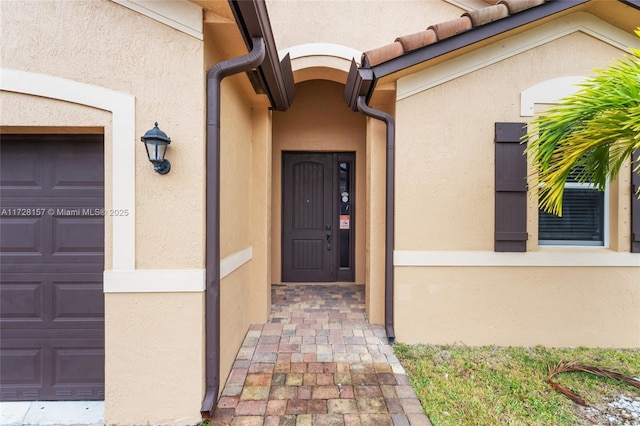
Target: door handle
x,y
329,238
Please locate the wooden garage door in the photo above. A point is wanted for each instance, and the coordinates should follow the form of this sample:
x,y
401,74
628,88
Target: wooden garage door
x,y
51,264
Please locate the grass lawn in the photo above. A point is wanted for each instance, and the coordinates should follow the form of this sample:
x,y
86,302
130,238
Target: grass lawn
x,y
460,385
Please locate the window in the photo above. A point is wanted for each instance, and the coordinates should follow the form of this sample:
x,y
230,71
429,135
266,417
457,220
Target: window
x,y
583,221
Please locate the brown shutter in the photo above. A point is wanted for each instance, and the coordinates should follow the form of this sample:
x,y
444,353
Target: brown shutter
x,y
635,206
511,188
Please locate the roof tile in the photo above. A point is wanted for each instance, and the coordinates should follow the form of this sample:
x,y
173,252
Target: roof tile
x,y
416,40
516,6
383,54
488,14
499,9
450,28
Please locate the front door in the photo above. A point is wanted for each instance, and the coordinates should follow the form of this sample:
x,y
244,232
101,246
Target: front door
x,y
317,217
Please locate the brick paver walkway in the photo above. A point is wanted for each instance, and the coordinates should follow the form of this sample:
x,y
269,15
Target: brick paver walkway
x,y
317,362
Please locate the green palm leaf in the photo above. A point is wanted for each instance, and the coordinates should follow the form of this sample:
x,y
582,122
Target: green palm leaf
x,y
589,134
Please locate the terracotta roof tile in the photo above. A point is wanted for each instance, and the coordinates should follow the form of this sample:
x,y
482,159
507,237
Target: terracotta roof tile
x,y
414,41
516,6
383,54
499,9
450,28
488,14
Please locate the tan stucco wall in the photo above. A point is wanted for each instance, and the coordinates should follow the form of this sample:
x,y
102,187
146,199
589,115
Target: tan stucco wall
x,y
361,25
319,120
22,113
107,37
260,296
235,175
244,152
375,266
445,202
154,342
245,176
155,363
521,306
445,148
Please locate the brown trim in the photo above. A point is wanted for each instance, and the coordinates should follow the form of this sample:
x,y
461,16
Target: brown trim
x,y
389,213
442,47
635,205
473,36
359,83
277,80
212,256
633,3
276,76
51,130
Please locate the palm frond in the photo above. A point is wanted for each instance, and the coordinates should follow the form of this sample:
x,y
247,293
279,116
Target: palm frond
x,y
590,134
573,366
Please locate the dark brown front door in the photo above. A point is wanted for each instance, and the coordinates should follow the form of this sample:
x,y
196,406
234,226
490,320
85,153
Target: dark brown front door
x,y
51,264
317,217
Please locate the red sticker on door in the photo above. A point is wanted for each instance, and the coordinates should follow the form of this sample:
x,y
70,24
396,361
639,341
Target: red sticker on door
x,y
344,221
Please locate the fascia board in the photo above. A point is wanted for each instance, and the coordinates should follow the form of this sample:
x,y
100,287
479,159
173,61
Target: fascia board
x,y
472,61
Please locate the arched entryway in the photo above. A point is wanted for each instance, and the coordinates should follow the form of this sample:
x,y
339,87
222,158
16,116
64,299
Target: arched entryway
x,y
319,134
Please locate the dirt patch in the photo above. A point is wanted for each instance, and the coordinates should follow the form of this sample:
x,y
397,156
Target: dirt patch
x,y
622,410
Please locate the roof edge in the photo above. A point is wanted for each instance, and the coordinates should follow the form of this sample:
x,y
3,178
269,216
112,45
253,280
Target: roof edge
x,y
359,83
633,3
276,76
476,35
450,44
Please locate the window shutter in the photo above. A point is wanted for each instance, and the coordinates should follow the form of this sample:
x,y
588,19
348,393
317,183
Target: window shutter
x,y
510,188
635,206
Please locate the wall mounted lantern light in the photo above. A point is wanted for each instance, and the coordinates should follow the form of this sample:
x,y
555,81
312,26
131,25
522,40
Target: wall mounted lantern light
x,y
156,142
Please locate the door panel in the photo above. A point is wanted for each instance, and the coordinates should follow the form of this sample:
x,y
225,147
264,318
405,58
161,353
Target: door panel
x,y
317,217
307,251
51,265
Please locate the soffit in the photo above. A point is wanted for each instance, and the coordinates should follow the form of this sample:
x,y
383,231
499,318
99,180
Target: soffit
x,y
221,27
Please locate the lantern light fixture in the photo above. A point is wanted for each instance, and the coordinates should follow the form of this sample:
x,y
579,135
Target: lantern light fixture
x,y
156,142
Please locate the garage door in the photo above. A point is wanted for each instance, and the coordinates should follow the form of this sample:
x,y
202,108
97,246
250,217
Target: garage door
x,y
51,263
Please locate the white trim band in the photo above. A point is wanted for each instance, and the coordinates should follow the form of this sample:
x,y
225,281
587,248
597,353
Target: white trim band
x,y
586,258
154,281
122,107
235,261
170,280
181,15
321,49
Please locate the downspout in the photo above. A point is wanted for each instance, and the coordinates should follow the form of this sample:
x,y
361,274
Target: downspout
x,y
389,210
212,262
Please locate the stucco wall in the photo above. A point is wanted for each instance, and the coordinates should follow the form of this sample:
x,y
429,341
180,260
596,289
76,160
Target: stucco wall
x,y
154,369
445,193
236,211
245,166
361,24
519,306
445,139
